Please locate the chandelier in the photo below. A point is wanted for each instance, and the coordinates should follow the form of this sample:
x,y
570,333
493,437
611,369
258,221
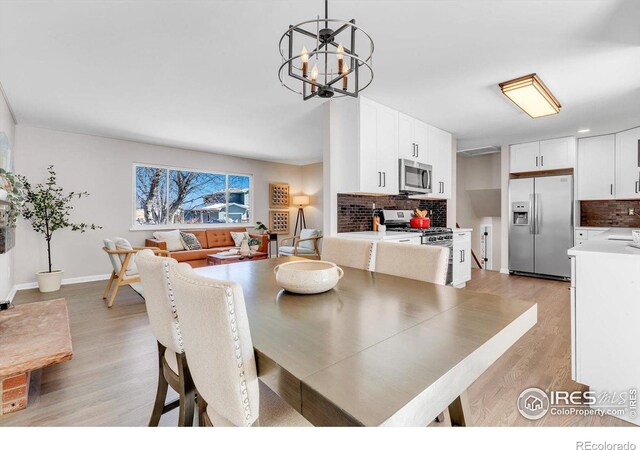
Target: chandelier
x,y
334,66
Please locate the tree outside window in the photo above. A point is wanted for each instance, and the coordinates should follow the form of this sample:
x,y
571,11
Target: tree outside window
x,y
172,196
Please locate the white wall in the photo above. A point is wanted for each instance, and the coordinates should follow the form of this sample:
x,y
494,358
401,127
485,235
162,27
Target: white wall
x,y
504,235
7,126
478,200
103,167
312,186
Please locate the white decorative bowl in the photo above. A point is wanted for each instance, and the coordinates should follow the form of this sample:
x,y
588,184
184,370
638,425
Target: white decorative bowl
x,y
307,277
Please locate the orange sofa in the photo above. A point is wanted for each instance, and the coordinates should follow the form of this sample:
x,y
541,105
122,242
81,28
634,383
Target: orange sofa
x,y
213,240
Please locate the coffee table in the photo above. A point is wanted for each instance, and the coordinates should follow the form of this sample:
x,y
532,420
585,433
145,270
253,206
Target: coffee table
x,y
218,259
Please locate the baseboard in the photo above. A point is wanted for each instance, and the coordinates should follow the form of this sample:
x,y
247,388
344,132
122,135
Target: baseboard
x,y
504,271
76,280
11,294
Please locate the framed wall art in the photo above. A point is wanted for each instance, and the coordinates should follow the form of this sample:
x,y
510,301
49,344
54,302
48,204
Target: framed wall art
x,y
278,195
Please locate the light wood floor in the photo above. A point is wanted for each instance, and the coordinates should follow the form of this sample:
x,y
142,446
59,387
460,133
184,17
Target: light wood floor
x,y
112,377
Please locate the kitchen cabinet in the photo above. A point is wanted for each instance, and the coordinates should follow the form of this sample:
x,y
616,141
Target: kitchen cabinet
x,y
440,150
412,240
550,154
628,164
461,258
364,147
596,167
413,139
604,312
525,157
557,153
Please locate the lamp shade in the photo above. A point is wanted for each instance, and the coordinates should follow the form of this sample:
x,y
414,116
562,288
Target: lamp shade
x,y
300,200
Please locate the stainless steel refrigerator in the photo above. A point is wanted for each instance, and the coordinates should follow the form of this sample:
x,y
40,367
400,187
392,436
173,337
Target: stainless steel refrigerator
x,y
541,225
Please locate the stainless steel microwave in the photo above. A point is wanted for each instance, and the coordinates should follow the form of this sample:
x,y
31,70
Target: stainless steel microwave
x,y
415,177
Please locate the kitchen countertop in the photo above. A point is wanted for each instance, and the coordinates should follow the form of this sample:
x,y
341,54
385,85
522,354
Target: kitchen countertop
x,y
601,244
379,235
390,235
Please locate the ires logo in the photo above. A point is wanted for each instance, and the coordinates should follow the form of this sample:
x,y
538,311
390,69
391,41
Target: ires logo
x,y
534,403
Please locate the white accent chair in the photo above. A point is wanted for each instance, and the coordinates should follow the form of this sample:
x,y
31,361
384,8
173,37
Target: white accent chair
x,y
125,272
306,244
217,340
428,263
173,369
347,252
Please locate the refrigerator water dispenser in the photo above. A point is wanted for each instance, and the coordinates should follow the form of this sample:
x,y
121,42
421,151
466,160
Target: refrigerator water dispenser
x,y
520,213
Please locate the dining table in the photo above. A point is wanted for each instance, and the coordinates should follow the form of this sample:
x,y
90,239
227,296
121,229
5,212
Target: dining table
x,y
376,350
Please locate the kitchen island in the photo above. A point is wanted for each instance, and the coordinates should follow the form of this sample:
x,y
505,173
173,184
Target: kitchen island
x,y
605,309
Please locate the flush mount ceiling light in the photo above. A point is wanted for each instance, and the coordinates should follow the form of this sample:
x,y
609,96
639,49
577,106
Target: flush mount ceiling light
x,y
339,69
531,95
584,130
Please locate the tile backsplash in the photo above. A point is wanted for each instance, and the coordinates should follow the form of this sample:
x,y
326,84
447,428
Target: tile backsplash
x,y
609,213
354,211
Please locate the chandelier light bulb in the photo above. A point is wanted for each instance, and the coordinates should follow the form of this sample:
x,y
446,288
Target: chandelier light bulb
x,y
304,56
340,57
345,72
314,77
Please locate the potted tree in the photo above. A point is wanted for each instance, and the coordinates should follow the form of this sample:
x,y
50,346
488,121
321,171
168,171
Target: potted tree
x,y
48,208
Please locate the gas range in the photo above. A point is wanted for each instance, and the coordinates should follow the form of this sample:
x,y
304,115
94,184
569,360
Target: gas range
x,y
431,231
398,220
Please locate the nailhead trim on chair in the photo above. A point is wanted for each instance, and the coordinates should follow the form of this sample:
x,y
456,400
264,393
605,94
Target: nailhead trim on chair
x,y
173,306
236,339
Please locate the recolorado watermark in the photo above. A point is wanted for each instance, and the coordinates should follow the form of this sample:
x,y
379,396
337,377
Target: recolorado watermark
x,y
588,445
534,403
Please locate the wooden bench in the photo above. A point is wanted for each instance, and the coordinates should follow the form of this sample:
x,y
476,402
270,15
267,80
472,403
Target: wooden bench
x,y
32,336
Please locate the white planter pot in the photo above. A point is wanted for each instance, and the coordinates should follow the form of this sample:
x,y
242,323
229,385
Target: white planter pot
x,y
49,281
3,195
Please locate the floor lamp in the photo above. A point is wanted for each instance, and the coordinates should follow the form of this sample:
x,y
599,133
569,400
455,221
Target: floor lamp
x,y
300,201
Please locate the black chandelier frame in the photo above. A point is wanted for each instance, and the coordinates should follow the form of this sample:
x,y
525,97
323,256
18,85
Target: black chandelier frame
x,y
326,46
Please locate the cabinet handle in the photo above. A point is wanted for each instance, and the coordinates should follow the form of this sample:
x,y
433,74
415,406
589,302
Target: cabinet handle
x,y
636,183
379,179
460,256
403,240
413,153
536,161
542,161
417,150
611,189
384,179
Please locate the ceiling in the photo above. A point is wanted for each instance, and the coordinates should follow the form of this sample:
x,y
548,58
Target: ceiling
x,y
202,74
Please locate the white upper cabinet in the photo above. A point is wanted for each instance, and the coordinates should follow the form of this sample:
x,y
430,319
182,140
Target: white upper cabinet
x,y
628,164
596,167
525,157
413,139
550,154
366,141
363,147
557,153
440,150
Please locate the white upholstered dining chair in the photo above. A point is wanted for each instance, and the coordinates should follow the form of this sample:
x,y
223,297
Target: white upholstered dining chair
x,y
347,252
428,263
173,369
217,340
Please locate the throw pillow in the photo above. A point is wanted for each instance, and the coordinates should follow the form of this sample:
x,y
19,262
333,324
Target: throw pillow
x,y
123,244
305,234
190,241
172,238
238,237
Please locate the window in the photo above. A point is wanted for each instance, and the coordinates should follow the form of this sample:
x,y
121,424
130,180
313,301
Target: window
x,y
167,196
